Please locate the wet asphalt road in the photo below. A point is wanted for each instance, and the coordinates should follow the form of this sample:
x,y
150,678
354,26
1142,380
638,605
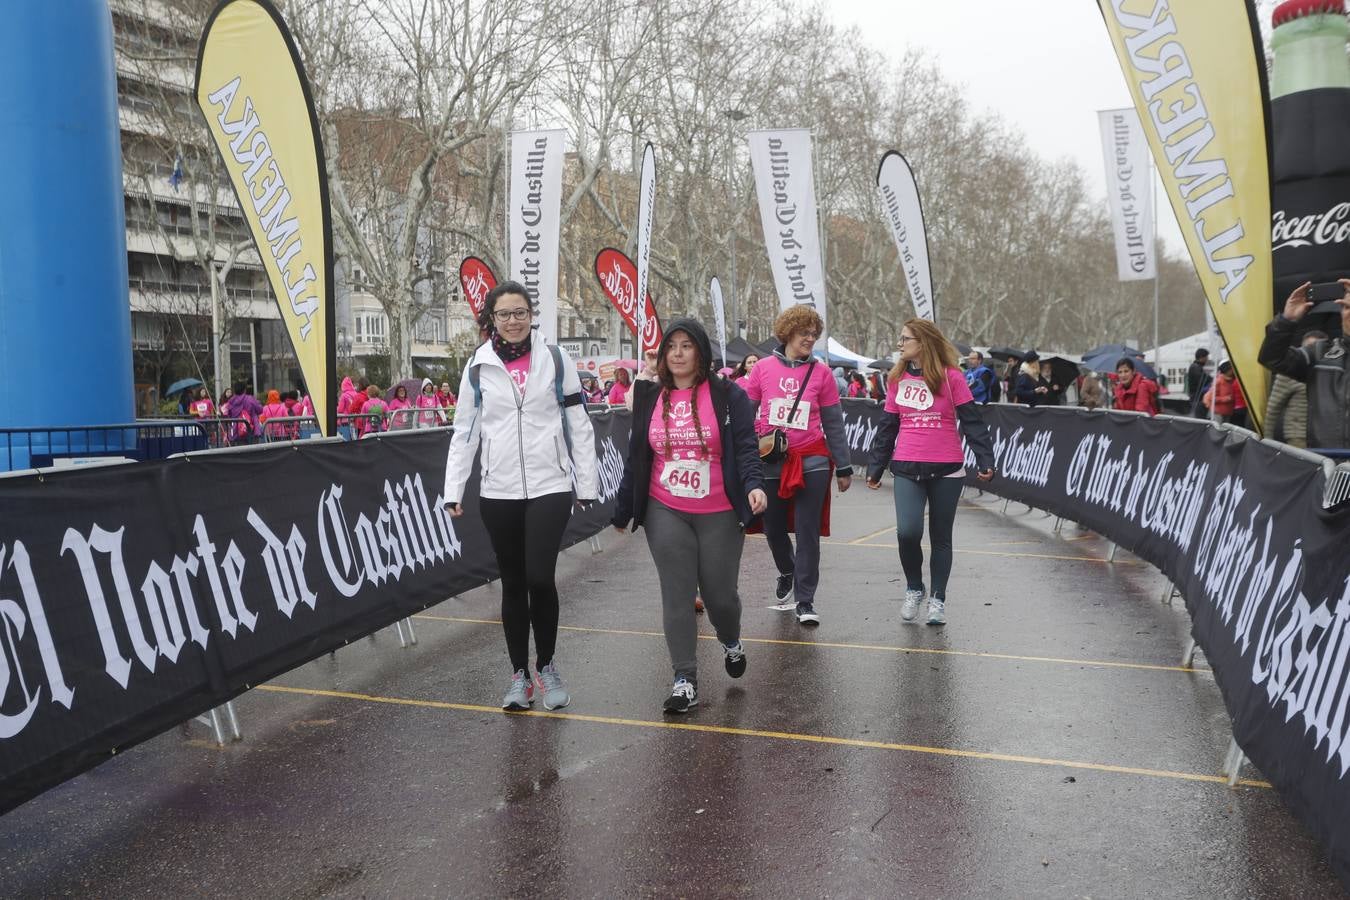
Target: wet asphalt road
x,y
1043,744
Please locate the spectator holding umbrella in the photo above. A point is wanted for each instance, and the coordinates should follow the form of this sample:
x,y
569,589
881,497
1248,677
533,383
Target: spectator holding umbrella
x,y
1028,387
202,407
1133,390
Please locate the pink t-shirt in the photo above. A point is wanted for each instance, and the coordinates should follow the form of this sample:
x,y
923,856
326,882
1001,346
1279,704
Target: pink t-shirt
x,y
928,429
617,393
773,385
519,370
691,479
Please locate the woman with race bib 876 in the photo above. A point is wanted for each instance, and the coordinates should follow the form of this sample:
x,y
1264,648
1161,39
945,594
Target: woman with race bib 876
x,y
797,396
930,407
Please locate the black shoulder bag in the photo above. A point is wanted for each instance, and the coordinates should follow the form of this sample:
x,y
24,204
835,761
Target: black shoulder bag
x,y
773,446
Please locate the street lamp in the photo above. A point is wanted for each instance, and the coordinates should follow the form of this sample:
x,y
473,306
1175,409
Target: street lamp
x,y
732,116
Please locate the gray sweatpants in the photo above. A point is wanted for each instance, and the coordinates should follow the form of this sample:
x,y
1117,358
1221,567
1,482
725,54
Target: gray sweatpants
x,y
695,553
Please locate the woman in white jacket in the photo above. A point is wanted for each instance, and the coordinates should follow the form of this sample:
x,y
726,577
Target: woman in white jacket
x,y
520,403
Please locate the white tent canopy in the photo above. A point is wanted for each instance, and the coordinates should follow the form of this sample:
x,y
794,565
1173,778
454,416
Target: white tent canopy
x,y
839,351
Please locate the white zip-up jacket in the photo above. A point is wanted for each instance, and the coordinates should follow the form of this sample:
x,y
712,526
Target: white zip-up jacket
x,y
524,450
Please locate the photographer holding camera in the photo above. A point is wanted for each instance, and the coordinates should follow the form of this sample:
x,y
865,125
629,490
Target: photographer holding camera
x,y
1321,365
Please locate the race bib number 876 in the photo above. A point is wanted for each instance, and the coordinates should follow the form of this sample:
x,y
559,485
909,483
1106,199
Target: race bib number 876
x,y
913,394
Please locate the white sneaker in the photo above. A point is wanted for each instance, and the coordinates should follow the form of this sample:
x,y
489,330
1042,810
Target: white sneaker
x,y
520,693
910,609
937,611
548,681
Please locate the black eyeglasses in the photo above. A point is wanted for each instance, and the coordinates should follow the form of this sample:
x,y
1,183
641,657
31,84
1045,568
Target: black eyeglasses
x,y
506,315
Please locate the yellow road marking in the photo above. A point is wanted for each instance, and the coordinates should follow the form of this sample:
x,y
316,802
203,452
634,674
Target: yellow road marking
x,y
888,529
1105,664
759,733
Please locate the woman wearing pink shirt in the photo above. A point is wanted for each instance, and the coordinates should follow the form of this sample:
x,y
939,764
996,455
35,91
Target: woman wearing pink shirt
x,y
930,408
693,480
274,409
622,381
799,485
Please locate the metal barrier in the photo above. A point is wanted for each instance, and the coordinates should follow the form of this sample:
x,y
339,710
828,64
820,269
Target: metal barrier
x,y
290,428
411,417
352,426
35,448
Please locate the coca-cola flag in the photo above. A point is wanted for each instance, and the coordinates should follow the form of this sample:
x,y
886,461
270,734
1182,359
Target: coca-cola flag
x,y
646,220
1129,192
904,213
533,209
785,187
618,279
476,277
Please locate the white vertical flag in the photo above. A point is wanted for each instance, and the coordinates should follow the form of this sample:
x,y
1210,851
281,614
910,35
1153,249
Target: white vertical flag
x,y
533,219
720,313
904,213
646,203
1130,192
787,209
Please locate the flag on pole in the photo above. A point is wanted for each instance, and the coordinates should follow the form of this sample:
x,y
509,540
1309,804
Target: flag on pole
x,y
720,313
646,202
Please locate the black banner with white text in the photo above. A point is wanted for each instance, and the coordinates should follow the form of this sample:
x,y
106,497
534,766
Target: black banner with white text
x,y
135,597
1239,528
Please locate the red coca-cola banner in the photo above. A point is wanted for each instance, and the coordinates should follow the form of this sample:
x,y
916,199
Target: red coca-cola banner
x,y
476,277
618,279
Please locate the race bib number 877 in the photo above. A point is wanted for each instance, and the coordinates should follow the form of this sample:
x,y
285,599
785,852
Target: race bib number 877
x,y
780,408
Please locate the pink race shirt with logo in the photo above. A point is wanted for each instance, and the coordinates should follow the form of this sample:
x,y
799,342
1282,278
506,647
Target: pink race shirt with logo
x,y
691,479
519,370
928,431
773,385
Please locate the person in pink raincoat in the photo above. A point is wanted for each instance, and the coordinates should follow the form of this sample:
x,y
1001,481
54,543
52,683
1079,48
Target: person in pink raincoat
x,y
427,400
375,406
274,409
400,421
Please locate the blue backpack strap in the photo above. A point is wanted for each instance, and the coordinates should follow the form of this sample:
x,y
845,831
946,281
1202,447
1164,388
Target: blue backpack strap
x,y
476,381
558,392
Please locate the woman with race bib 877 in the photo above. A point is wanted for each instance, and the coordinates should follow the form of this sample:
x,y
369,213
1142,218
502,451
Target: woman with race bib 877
x,y
797,396
930,407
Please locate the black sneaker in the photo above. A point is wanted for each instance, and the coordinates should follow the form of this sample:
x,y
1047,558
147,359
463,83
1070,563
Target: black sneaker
x,y
682,696
783,590
806,614
735,659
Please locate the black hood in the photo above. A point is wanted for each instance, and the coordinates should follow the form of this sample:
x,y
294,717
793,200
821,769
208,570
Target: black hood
x,y
699,337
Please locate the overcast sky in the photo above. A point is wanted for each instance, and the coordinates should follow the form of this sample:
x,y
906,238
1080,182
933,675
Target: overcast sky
x,y
1046,67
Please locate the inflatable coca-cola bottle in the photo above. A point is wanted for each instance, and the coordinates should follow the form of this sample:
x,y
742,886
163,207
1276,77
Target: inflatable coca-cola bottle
x,y
1310,121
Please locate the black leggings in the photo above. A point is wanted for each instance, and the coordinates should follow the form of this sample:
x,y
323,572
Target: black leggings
x,y
526,536
941,495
